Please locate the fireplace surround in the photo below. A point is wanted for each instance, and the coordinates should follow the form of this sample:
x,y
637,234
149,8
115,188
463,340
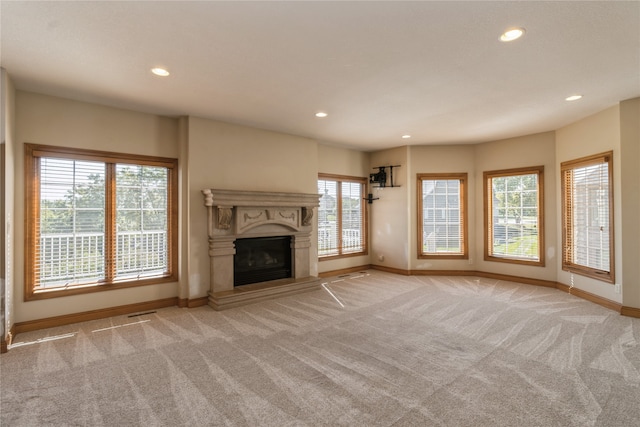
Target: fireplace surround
x,y
234,215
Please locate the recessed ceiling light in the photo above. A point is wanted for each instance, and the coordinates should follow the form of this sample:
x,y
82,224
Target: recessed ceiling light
x,y
160,72
406,136
321,114
512,34
573,98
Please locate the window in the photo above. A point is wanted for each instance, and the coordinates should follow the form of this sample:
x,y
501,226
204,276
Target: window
x,y
514,226
587,214
442,211
97,221
342,229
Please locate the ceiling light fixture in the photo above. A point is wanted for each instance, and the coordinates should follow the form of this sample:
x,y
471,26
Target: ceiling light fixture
x,y
406,136
512,34
321,114
160,72
573,98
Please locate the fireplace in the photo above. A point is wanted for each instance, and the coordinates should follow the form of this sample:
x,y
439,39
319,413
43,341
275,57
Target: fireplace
x,y
261,259
259,245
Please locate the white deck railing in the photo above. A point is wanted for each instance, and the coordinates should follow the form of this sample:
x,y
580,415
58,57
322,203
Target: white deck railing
x,y
76,258
328,240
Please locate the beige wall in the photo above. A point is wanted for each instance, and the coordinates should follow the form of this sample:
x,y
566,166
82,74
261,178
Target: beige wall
x,y
390,215
441,159
595,134
525,151
55,121
342,161
232,157
630,200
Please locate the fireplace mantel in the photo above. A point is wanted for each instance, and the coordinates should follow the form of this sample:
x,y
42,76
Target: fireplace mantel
x,y
233,215
215,197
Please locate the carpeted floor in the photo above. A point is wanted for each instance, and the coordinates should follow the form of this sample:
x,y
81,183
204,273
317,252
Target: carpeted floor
x,y
370,349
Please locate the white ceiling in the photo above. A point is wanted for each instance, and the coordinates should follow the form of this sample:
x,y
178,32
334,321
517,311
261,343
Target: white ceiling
x,y
435,70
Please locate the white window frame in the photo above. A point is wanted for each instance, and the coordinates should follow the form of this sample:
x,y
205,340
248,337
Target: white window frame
x,y
460,209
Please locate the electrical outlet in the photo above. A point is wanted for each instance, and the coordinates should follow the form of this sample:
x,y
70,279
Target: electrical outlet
x,y
381,258
617,288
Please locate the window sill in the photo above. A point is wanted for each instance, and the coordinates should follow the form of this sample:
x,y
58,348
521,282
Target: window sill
x,y
443,256
603,276
339,256
41,294
521,261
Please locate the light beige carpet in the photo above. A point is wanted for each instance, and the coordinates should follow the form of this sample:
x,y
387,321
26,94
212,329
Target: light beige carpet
x,y
373,349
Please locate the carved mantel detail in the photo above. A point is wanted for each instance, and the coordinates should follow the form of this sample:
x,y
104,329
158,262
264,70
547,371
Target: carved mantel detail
x,y
242,210
307,216
253,217
224,217
242,214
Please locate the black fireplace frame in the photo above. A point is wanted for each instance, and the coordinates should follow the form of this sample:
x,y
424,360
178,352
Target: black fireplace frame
x,y
262,259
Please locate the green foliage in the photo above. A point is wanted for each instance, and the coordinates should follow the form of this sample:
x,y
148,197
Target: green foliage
x,y
520,246
141,203
515,196
516,240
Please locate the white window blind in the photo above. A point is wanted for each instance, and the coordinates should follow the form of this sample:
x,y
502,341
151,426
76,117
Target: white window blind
x,y
587,204
513,215
141,219
341,224
352,202
328,224
71,247
442,216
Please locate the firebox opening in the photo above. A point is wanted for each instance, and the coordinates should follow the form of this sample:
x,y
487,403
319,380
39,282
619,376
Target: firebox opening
x,y
261,259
